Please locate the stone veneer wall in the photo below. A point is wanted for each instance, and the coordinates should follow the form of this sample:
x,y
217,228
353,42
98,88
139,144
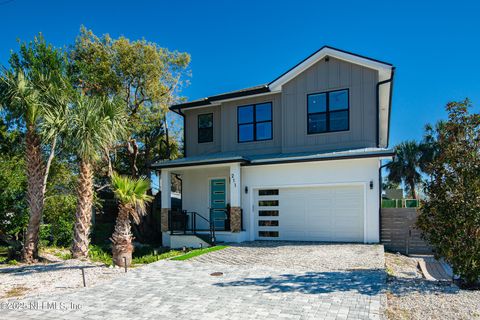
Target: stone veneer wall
x,y
235,219
164,219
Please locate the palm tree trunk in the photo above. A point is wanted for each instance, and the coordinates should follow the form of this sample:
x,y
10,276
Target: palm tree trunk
x,y
413,191
83,215
35,194
122,237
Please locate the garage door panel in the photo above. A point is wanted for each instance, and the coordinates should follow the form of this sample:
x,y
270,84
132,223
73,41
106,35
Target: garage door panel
x,y
334,213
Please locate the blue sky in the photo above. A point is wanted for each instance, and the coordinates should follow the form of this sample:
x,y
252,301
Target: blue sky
x,y
236,44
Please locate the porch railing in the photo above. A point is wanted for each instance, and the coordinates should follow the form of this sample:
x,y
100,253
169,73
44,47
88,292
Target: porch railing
x,y
220,218
184,222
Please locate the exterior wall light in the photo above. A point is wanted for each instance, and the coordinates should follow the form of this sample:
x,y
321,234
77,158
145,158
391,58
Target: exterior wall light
x,y
371,184
246,189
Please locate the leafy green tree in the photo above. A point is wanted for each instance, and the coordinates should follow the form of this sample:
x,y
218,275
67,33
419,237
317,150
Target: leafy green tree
x,y
95,124
147,78
13,204
405,167
133,197
60,202
450,215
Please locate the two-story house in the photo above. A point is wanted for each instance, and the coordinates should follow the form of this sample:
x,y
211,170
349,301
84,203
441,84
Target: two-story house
x,y
296,159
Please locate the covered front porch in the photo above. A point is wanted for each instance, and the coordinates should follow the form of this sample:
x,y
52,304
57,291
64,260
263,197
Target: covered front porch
x,y
211,204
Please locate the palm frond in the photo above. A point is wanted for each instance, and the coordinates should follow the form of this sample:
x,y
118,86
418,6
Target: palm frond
x,y
20,96
95,124
132,192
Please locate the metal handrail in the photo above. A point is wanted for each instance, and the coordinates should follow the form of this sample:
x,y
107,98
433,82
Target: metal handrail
x,y
191,218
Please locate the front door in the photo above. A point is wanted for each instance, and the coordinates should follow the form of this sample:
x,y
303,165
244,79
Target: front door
x,y
218,203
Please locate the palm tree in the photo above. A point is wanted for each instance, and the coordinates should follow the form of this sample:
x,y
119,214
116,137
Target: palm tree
x,y
404,168
95,124
23,100
132,195
41,104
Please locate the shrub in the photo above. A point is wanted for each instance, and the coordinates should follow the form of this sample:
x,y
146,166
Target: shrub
x,y
100,254
450,217
13,204
12,262
59,213
45,235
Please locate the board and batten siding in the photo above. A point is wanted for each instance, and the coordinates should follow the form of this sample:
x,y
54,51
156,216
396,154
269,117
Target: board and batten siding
x,y
229,127
191,124
327,76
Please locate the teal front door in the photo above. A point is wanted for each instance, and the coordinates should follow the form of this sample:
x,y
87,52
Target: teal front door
x,y
218,202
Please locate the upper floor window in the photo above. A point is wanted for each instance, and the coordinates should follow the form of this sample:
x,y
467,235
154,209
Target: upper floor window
x,y
328,111
254,122
205,127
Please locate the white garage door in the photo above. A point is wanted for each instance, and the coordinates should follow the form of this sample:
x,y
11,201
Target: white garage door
x,y
310,214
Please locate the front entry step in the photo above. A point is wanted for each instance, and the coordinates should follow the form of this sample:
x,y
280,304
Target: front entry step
x,y
178,241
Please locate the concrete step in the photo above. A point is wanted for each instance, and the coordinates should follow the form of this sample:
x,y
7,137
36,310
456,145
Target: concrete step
x,y
178,241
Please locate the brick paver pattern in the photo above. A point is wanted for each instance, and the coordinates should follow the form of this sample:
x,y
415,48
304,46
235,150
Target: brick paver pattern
x,y
249,290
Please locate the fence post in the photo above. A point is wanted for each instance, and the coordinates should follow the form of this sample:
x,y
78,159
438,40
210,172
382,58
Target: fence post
x,y
83,276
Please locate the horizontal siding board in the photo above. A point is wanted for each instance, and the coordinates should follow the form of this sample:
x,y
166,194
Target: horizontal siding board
x,y
395,231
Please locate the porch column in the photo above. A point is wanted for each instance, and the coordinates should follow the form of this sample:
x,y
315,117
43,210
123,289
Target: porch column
x,y
166,188
235,198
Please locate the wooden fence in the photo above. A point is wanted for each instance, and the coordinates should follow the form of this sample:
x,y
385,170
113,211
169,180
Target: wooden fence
x,y
398,231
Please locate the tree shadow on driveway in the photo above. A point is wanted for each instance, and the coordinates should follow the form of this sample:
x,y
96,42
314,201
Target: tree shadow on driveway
x,y
32,269
370,282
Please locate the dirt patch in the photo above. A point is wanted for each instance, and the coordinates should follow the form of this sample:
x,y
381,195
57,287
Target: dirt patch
x,y
22,280
16,292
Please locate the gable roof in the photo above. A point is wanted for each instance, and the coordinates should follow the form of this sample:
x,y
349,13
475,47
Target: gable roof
x,y
384,86
382,67
275,85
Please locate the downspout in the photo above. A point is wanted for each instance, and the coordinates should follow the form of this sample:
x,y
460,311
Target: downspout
x,y
380,201
380,83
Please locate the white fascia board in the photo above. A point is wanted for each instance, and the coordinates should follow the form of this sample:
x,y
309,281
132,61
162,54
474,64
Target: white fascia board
x,y
383,69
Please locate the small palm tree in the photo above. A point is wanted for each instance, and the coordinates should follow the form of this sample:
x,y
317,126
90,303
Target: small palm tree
x,y
95,124
405,167
132,195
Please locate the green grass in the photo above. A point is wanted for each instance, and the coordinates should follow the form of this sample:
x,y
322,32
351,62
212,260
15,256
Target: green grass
x,y
59,252
143,255
149,258
12,262
100,254
198,252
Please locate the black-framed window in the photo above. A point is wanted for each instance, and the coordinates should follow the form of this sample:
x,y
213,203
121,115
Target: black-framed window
x,y
205,127
254,122
328,111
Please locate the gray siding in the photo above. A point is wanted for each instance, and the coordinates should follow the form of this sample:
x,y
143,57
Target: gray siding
x,y
327,76
290,114
229,125
191,124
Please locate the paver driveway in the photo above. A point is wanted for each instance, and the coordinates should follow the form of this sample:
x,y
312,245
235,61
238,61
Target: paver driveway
x,y
261,280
